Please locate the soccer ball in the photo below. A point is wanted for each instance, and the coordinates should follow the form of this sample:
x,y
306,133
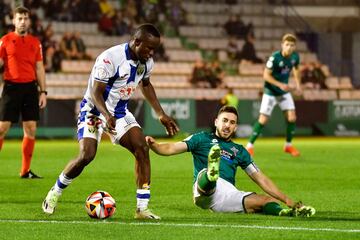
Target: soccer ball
x,y
100,204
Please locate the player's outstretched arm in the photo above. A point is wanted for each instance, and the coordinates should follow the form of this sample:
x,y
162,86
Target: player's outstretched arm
x,y
150,95
167,148
270,188
169,123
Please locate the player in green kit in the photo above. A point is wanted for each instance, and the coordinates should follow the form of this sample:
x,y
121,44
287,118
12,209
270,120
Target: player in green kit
x,y
230,99
216,158
276,91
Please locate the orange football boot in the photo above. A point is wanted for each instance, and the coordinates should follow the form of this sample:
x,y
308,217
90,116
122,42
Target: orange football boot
x,y
292,150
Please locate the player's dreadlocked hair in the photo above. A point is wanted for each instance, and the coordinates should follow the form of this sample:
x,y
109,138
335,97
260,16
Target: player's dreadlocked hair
x,y
229,109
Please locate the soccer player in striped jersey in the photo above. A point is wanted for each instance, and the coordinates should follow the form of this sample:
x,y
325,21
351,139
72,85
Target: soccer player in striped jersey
x,y
216,158
115,76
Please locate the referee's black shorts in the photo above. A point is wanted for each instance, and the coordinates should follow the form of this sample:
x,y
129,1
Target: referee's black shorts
x,y
19,98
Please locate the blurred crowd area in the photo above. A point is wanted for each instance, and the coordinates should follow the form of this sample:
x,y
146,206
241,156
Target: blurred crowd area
x,y
111,21
207,44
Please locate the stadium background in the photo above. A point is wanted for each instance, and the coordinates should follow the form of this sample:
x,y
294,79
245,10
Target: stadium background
x,y
328,33
325,175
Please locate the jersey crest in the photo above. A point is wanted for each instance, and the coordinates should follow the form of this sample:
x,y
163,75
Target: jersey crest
x,y
140,69
235,150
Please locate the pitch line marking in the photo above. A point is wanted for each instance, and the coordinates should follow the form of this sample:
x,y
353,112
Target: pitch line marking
x,y
184,225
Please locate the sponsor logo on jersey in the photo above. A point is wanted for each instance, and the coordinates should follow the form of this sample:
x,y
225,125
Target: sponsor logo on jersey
x,y
214,141
140,69
126,92
227,156
285,70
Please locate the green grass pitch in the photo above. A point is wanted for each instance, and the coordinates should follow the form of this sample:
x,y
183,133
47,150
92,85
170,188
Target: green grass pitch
x,y
325,176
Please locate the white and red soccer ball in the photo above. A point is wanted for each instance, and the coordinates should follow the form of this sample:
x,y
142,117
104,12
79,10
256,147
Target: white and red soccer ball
x,y
100,204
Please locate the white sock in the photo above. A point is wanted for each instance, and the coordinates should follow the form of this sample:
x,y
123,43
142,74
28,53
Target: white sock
x,y
249,145
142,198
287,144
62,182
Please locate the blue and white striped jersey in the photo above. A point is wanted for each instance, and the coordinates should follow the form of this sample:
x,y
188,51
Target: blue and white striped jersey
x,y
121,75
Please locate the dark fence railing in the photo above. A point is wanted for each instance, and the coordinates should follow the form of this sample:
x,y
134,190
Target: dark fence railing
x,y
297,22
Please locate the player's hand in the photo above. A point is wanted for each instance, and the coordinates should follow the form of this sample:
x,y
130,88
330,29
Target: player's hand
x,y
110,124
284,87
298,91
170,125
149,140
291,204
42,101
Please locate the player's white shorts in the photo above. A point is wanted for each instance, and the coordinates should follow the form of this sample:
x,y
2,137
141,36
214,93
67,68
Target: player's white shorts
x,y
268,103
226,198
92,126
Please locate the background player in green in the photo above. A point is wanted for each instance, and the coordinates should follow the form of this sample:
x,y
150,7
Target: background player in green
x,y
216,158
230,99
276,91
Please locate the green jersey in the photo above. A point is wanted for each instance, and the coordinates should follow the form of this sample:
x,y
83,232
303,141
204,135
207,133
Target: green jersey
x,y
232,154
280,68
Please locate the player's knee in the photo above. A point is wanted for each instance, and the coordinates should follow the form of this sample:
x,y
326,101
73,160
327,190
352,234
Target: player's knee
x,y
3,132
291,116
292,119
254,203
141,148
262,119
4,128
30,134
